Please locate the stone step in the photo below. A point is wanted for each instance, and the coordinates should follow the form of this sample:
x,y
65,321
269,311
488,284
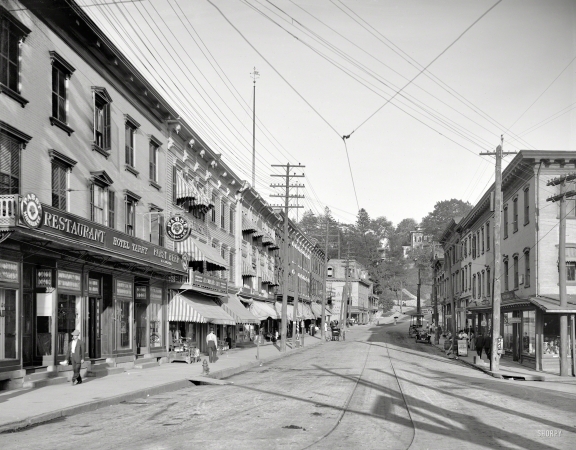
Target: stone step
x,y
103,370
44,382
145,360
146,365
37,376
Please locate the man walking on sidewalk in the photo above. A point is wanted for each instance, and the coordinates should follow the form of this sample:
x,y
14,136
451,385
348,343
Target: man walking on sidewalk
x,y
212,345
75,356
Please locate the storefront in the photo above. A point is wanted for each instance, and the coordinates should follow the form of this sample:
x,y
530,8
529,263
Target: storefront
x,y
266,313
60,272
245,320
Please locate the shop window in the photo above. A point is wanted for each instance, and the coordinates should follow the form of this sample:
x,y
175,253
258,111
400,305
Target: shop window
x,y
67,313
61,74
155,325
508,333
505,221
102,120
102,199
12,34
570,270
124,324
8,321
11,143
528,333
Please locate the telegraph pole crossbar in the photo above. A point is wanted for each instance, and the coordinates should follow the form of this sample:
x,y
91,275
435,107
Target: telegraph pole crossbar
x,y
286,260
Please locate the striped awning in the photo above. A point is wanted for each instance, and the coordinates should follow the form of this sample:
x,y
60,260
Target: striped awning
x,y
247,270
199,251
233,307
258,233
188,308
247,225
289,311
267,239
263,310
185,190
305,312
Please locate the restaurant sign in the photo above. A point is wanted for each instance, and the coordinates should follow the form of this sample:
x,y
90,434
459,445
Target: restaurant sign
x,y
208,282
68,280
8,271
55,222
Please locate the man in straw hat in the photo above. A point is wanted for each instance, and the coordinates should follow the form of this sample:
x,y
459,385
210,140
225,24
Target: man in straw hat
x,y
75,356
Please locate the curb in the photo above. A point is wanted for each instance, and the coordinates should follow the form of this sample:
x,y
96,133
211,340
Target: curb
x,y
94,405
134,395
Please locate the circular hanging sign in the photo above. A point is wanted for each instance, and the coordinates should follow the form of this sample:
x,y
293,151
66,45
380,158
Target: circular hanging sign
x,y
177,228
31,210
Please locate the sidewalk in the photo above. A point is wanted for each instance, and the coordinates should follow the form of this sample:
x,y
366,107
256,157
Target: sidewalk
x,y
24,407
509,369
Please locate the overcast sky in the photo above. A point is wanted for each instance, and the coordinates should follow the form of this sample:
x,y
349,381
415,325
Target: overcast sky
x,y
329,69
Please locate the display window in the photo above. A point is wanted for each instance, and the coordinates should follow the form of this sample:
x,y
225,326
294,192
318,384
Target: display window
x,y
124,323
155,325
8,324
508,332
529,333
67,313
551,336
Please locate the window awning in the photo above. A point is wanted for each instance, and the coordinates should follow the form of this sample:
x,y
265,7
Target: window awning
x,y
188,308
263,310
552,305
198,251
185,190
317,310
247,225
233,307
247,270
305,312
289,311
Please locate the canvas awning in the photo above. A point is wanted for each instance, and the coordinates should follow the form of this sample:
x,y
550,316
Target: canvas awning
x,y
247,225
551,305
305,312
263,310
247,270
185,190
199,251
232,305
317,310
187,307
289,311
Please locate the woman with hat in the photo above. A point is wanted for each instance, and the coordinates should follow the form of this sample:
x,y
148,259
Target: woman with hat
x,y
75,356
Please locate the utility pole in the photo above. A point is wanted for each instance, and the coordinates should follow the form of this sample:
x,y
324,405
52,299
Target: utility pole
x,y
561,181
286,267
497,297
255,74
325,280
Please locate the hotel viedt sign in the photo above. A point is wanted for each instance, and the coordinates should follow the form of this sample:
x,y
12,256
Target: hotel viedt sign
x,y
54,222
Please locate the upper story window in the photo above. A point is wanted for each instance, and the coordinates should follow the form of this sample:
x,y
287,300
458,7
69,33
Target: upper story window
x,y
102,120
130,128
232,220
487,236
482,238
222,215
12,142
506,287
130,202
213,216
505,221
516,281
488,288
527,267
156,225
526,206
61,167
153,149
474,246
61,74
102,199
12,34
515,214
329,272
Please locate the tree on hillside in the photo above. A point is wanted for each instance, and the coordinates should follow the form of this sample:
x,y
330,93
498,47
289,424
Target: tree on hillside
x,y
435,222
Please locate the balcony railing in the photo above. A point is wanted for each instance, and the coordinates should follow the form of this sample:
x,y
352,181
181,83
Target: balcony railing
x,y
8,205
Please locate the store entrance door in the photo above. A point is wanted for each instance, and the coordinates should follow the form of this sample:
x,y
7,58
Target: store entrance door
x,y
141,328
7,324
94,339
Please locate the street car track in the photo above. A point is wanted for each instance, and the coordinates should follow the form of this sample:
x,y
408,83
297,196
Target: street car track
x,y
353,391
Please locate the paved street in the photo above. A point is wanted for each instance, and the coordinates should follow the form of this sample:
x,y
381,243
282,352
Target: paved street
x,y
378,389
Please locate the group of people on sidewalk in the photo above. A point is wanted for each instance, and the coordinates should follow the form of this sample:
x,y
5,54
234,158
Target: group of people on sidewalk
x,y
481,343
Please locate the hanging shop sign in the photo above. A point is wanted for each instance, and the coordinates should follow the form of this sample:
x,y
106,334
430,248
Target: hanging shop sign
x,y
8,271
124,288
177,228
43,278
54,222
208,282
155,294
141,293
69,280
508,295
94,286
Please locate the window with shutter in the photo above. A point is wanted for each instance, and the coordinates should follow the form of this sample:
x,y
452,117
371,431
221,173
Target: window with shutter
x,y
59,185
9,164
